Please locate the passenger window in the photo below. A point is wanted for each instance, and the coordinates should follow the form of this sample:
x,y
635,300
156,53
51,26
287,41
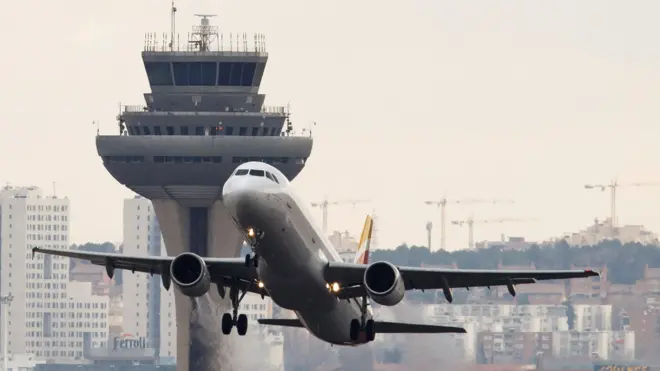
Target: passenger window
x,y
241,172
257,172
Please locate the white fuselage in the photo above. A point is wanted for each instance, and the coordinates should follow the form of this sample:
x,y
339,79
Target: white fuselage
x,y
292,253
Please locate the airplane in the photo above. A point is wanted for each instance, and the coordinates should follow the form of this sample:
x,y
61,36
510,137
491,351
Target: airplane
x,y
294,263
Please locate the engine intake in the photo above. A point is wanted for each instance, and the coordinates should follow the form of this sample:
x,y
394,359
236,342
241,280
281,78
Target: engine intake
x,y
190,275
383,283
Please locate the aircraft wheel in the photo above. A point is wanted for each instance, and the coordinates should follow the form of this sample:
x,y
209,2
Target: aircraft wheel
x,y
227,323
370,330
355,329
248,261
242,324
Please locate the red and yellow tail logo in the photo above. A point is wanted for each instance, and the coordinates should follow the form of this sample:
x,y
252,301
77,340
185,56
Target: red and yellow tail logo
x,y
362,254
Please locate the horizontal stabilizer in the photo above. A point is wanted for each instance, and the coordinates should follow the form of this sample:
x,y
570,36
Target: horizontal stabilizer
x,y
412,328
280,322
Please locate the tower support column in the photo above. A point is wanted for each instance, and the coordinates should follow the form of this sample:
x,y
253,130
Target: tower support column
x,y
206,231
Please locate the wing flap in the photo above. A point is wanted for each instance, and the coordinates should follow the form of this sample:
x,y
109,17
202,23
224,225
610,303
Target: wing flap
x,y
280,322
383,327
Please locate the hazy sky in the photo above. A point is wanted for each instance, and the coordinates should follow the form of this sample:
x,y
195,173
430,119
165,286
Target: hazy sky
x,y
414,99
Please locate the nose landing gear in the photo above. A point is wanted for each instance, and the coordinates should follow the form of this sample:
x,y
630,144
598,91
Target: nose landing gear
x,y
363,326
234,319
254,236
252,260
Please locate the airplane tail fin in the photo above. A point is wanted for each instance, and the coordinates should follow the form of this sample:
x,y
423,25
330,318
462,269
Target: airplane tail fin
x,y
362,254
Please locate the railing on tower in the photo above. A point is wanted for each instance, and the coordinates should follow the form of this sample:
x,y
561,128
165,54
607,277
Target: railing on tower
x,y
204,38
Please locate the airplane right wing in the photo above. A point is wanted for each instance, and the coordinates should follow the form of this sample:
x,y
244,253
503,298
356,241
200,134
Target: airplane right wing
x,y
351,277
223,271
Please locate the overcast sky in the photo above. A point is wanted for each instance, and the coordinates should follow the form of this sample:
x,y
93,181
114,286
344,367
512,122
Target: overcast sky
x,y
527,100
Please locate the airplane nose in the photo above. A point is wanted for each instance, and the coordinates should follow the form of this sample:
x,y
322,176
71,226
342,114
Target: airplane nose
x,y
238,194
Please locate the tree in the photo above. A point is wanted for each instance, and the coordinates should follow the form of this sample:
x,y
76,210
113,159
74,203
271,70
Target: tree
x,y
625,263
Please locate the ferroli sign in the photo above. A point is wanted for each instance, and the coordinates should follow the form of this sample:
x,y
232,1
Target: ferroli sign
x,y
126,342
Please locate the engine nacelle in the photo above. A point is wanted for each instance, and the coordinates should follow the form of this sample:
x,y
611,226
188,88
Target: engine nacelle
x,y
190,275
383,283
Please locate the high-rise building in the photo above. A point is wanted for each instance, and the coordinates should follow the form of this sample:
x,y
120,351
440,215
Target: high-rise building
x,y
148,309
203,117
48,316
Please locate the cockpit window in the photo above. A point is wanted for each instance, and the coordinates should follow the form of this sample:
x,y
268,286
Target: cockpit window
x,y
269,176
241,172
257,172
275,178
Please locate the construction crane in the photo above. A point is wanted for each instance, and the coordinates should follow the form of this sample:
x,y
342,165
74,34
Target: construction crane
x,y
442,204
324,206
613,186
470,223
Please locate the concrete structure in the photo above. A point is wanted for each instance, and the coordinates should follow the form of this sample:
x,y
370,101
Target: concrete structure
x,y
49,315
148,309
203,117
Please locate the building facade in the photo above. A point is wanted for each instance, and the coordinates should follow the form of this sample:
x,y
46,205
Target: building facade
x,y
148,309
49,316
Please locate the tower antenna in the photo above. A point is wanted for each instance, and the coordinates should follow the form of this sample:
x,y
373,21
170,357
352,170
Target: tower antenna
x,y
204,34
173,26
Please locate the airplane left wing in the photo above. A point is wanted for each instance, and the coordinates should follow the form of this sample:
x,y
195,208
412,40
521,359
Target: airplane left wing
x,y
350,277
223,271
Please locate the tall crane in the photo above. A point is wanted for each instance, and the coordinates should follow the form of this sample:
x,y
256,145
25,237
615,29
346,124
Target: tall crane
x,y
324,207
470,223
613,186
442,204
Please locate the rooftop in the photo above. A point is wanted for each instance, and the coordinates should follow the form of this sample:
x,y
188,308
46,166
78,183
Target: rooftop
x,y
236,44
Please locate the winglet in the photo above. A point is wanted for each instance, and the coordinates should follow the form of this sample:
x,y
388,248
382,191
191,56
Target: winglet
x,y
362,254
34,249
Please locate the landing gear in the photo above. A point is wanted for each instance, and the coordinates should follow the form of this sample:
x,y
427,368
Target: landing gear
x,y
234,319
252,260
363,325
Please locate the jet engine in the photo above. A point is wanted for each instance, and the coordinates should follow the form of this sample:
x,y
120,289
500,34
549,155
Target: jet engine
x,y
383,283
190,274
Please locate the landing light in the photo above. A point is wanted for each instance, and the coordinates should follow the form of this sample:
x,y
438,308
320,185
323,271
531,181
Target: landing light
x,y
260,284
335,287
250,232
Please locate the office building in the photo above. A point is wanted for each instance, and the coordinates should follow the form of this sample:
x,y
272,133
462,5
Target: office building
x,y
48,316
148,309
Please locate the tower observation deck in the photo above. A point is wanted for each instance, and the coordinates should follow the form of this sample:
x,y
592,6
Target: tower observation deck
x,y
203,117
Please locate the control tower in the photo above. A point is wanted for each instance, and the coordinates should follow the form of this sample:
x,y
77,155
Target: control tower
x,y
203,117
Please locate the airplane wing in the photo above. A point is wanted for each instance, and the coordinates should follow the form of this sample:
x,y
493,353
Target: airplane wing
x,y
223,271
350,277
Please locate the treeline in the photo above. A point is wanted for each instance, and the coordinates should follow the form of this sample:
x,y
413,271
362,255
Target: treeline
x,y
625,263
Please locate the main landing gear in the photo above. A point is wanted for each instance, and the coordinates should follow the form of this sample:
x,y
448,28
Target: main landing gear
x,y
363,325
234,319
